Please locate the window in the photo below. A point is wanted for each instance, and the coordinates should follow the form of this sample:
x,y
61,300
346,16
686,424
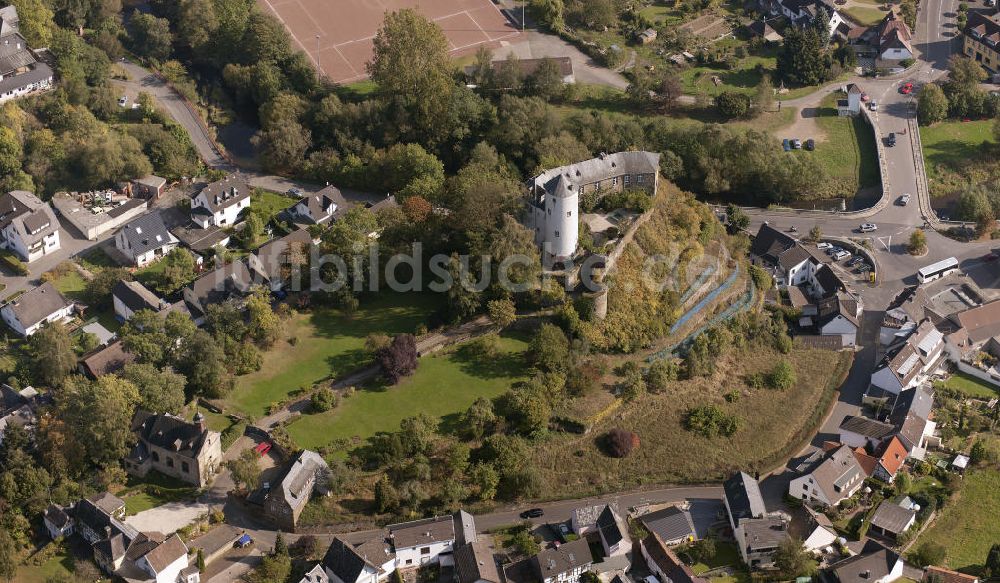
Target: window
x,y
557,233
639,178
170,462
581,189
805,486
425,550
156,457
409,561
627,177
185,468
569,213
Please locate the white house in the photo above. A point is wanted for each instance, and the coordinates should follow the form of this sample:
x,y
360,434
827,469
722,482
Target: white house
x,y
554,195
613,532
145,240
821,531
907,366
315,575
563,564
58,522
860,431
894,38
837,476
874,564
320,207
130,297
803,12
28,227
20,72
165,562
35,308
370,562
221,203
421,542
837,315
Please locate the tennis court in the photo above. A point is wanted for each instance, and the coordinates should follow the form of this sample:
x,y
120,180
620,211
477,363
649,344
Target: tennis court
x,y
337,34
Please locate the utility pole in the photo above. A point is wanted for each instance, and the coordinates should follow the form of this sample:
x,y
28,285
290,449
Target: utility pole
x,y
319,65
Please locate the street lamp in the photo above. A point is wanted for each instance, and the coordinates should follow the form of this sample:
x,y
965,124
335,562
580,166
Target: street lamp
x,y
319,65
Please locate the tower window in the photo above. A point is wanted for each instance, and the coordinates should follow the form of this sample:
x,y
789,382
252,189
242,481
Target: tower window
x,y
557,233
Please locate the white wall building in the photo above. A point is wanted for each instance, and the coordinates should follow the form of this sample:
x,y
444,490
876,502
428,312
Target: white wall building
x,y
28,227
145,240
837,476
221,203
35,308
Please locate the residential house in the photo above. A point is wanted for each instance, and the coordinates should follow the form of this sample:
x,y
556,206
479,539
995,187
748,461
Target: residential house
x,y
130,297
584,519
554,195
150,187
647,36
221,203
188,451
315,575
894,38
761,28
613,533
664,563
145,240
803,12
821,532
759,538
860,431
474,563
20,72
969,340
36,307
851,105
673,525
307,473
907,365
941,575
837,315
282,261
563,564
788,262
17,409
884,466
742,499
216,542
837,476
105,360
94,213
58,522
370,562
874,564
28,227
422,542
146,557
229,282
95,514
981,41
891,520
911,414
23,417
320,207
906,310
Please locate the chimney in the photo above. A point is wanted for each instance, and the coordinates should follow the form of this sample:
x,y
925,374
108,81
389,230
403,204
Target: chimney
x,y
107,532
199,420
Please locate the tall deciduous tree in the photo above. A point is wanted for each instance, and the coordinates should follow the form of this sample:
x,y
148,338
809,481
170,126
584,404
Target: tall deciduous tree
x,y
410,65
264,325
159,390
399,359
52,356
100,415
932,104
151,36
245,470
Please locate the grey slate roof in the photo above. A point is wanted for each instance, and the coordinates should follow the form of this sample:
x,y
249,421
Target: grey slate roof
x,y
268,260
743,495
840,468
670,524
57,516
166,553
769,243
566,180
32,219
465,532
226,192
14,53
669,562
147,233
828,280
169,432
422,532
37,304
763,533
474,562
293,485
136,296
892,517
867,427
343,561
873,563
552,562
608,526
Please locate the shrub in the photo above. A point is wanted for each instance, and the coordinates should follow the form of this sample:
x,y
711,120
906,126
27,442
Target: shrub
x,y
918,242
731,104
660,374
761,279
782,376
399,359
710,421
323,400
13,263
620,442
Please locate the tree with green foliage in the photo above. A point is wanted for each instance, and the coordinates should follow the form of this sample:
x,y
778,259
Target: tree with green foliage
x,y
792,559
10,152
100,415
525,542
991,568
410,66
526,408
546,81
178,269
52,356
932,104
97,290
203,362
35,21
502,312
245,470
803,59
738,219
486,479
151,37
9,556
549,12
710,421
918,243
661,373
978,453
782,376
549,349
263,325
762,280
160,390
732,104
479,420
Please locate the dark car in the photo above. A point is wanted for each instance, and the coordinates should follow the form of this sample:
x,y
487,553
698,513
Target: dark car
x,y
891,140
532,513
991,257
786,144
810,144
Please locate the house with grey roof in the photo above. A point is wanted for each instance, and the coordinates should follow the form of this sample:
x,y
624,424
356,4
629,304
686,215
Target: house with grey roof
x,y
563,564
614,533
672,524
35,308
664,563
130,297
188,451
554,195
320,207
759,538
145,240
837,315
58,522
105,360
282,261
315,575
474,563
28,227
221,203
837,476
370,562
20,72
422,542
874,564
742,497
307,474
907,365
861,431
911,415
891,520
230,282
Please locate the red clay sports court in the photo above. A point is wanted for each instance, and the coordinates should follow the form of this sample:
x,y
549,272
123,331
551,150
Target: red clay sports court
x,y
337,34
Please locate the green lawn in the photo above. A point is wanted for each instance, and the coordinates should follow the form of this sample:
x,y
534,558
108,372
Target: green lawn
x,y
848,153
95,260
328,345
268,204
58,568
952,144
71,284
443,384
154,490
968,527
865,15
726,555
970,386
743,79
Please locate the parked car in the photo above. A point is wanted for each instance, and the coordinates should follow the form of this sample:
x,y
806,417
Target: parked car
x,y
532,513
295,192
990,257
841,255
864,97
868,227
834,250
123,100
797,144
903,200
855,261
873,105
823,246
891,140
810,144
907,88
786,144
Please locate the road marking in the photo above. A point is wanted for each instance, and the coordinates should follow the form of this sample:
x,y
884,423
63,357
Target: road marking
x,y
885,241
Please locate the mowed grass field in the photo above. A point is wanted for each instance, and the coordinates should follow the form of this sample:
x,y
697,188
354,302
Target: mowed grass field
x,y
847,152
971,386
328,344
667,453
953,152
969,526
444,384
57,568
